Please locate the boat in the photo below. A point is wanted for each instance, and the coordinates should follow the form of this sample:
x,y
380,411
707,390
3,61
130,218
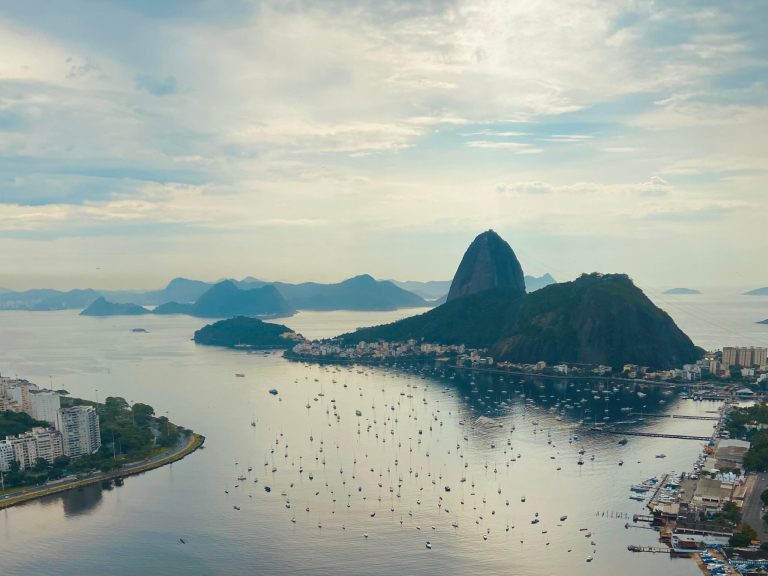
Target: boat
x,y
623,441
522,499
563,518
661,455
240,375
429,544
358,413
589,558
621,462
236,507
273,391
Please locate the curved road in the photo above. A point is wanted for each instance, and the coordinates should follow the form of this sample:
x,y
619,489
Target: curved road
x,y
185,446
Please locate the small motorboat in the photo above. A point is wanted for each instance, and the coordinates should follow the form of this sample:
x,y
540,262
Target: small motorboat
x,y
429,545
273,391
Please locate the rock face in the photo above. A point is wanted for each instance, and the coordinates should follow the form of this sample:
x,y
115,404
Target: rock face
x,y
489,263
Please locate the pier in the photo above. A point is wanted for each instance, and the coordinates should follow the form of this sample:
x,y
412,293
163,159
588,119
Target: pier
x,y
680,416
653,434
653,549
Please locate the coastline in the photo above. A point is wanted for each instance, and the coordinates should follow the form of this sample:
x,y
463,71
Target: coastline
x,y
193,442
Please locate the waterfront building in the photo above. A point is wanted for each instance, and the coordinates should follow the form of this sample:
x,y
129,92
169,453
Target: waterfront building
x,y
44,405
745,357
79,427
6,455
26,448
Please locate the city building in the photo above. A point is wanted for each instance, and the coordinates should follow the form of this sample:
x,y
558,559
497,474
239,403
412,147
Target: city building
x,y
44,405
26,448
79,427
745,357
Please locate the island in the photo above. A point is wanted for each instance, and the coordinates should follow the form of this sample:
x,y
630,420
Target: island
x,y
82,443
757,292
763,321
680,291
245,332
103,307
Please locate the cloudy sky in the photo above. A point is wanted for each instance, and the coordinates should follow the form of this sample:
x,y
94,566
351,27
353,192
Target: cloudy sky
x,y
141,140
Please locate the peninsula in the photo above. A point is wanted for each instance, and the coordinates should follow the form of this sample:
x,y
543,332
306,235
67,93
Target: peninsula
x,y
55,442
599,319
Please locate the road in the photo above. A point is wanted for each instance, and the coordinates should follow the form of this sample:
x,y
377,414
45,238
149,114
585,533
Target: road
x,y
751,512
186,446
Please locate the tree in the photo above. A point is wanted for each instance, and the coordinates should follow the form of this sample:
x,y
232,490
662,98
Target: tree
x,y
142,413
41,465
744,537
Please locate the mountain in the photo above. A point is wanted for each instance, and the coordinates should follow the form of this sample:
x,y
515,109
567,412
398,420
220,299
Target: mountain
x,y
757,292
178,290
225,299
595,319
73,299
673,291
763,321
533,283
429,290
250,332
102,307
358,293
174,308
488,263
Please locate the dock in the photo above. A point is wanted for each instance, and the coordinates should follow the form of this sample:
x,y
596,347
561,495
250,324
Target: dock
x,y
652,549
679,416
653,434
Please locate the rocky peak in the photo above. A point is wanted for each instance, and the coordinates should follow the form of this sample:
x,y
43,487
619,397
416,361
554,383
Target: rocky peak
x,y
488,263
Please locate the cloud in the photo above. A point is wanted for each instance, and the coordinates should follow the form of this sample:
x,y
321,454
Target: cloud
x,y
381,116
515,147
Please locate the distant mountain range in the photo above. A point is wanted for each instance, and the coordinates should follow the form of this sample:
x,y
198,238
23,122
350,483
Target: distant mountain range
x,y
680,291
221,300
596,319
763,321
252,297
757,292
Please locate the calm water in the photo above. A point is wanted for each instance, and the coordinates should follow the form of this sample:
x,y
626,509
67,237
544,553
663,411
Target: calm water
x,y
135,529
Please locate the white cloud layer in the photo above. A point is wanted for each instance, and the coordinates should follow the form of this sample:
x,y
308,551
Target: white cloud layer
x,y
321,121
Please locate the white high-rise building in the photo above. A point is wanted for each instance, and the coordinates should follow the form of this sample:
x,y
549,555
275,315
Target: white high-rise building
x,y
79,427
44,405
26,448
6,455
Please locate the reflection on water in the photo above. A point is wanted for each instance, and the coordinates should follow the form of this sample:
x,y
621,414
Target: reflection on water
x,y
82,500
335,476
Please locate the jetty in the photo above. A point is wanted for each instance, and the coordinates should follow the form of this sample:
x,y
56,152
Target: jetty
x,y
652,549
679,416
651,434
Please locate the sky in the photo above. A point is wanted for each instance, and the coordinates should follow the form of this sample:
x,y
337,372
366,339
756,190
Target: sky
x,y
292,140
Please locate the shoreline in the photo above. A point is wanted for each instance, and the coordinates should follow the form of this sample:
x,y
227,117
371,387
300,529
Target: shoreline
x,y
193,442
378,363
